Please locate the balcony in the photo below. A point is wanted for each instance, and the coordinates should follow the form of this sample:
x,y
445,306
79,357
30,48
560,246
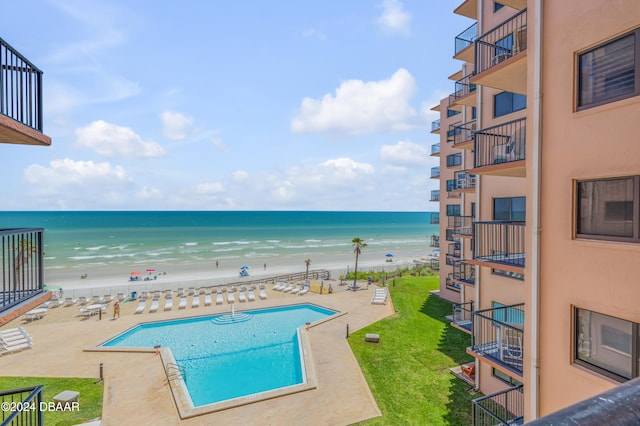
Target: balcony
x,y
468,8
452,285
462,316
498,338
435,172
464,43
434,264
453,253
501,150
500,245
461,226
464,273
464,94
435,126
22,266
451,192
435,218
20,99
435,150
464,181
501,408
435,241
463,135
435,195
23,397
501,56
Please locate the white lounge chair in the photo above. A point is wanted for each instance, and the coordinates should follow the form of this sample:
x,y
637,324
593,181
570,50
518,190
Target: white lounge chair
x,y
69,301
154,305
297,289
168,304
142,303
196,301
82,300
242,297
207,299
231,298
7,349
86,313
251,296
288,288
304,290
219,298
191,291
279,285
262,293
119,297
12,331
183,302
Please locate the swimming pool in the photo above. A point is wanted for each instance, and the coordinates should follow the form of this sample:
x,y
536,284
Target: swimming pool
x,y
227,356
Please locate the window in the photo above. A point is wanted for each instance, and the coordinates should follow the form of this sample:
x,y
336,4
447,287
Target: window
x,y
503,47
453,209
473,210
453,132
608,209
509,209
473,113
609,72
506,102
504,378
451,185
606,344
497,6
508,274
452,112
454,160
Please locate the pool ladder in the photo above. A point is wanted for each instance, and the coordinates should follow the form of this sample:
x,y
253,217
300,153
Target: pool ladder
x,y
175,372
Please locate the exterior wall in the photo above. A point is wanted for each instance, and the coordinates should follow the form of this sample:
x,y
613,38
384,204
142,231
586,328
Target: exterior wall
x,y
597,142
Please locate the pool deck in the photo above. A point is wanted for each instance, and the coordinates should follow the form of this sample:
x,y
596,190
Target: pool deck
x,y
136,391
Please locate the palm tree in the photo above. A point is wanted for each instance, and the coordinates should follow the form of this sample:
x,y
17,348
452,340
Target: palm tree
x,y
358,245
308,262
25,249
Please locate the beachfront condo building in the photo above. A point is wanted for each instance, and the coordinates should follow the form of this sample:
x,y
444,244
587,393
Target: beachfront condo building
x,y
539,191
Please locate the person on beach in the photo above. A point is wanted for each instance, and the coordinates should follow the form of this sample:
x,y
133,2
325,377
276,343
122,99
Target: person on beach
x,y
265,266
116,310
216,263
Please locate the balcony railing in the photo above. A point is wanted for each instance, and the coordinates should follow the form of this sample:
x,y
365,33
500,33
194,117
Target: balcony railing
x,y
466,38
504,143
462,315
464,272
464,180
435,125
435,195
435,241
20,88
463,87
451,187
461,225
453,253
501,43
435,172
435,149
22,266
29,398
434,264
452,285
463,133
501,408
499,242
498,335
434,219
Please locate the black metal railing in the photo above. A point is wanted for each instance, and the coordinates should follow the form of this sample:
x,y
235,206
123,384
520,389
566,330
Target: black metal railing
x,y
451,188
435,125
463,132
453,253
461,225
435,241
503,143
466,38
464,272
434,218
434,264
20,88
464,180
450,284
501,408
501,42
435,172
463,87
435,195
435,149
462,315
500,242
22,406
498,334
22,265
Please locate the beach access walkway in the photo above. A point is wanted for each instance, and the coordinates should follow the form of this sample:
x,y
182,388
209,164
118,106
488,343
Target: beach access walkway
x,y
135,386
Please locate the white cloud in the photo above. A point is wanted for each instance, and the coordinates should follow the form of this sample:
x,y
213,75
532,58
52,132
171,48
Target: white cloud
x,y
110,140
405,154
394,19
220,145
362,107
313,33
240,175
209,188
176,125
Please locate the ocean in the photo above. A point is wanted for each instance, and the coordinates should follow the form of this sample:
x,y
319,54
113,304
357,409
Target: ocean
x,y
120,242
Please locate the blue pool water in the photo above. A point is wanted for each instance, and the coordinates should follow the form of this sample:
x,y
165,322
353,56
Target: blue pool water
x,y
225,357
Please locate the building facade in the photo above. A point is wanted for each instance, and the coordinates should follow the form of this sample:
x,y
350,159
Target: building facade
x,y
542,228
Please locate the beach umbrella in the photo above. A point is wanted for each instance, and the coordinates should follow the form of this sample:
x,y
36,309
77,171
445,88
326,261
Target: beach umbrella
x,y
136,273
389,255
150,270
244,267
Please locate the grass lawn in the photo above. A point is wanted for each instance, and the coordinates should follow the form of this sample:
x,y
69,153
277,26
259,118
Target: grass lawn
x,y
408,371
90,400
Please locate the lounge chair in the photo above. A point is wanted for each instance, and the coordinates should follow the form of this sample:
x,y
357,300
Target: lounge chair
x,y
180,292
82,300
297,289
107,298
69,301
183,302
219,298
191,291
469,371
288,288
142,303
304,290
242,297
86,313
231,298
207,299
7,349
279,285
12,331
168,304
262,293
251,296
154,305
120,297
196,301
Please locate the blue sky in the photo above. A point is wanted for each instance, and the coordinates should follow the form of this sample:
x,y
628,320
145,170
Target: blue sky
x,y
232,105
